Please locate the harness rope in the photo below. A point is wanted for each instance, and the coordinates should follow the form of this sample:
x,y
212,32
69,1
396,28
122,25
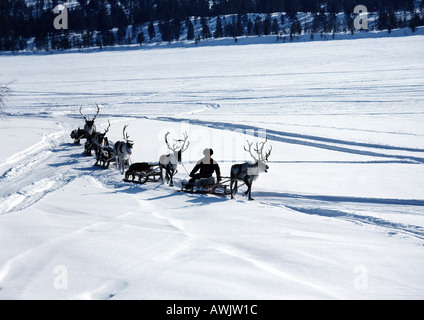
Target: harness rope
x,y
185,168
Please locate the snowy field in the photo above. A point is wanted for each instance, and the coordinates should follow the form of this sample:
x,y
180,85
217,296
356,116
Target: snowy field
x,y
339,215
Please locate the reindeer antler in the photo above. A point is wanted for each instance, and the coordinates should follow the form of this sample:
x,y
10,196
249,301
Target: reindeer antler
x,y
179,144
184,147
167,142
126,135
268,153
107,129
98,110
250,150
259,150
263,157
85,118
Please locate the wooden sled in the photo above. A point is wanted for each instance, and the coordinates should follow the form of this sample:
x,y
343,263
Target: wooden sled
x,y
221,188
150,172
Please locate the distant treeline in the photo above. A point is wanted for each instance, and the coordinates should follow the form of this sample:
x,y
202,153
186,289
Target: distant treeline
x,y
106,22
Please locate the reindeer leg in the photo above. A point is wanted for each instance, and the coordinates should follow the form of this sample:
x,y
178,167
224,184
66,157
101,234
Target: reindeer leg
x,y
250,195
167,174
250,191
249,188
172,175
161,173
118,163
234,188
231,189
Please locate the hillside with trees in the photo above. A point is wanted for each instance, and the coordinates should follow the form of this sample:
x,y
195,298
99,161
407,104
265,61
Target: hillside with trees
x,y
28,25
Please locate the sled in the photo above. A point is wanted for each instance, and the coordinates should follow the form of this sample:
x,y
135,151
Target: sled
x,y
207,186
151,174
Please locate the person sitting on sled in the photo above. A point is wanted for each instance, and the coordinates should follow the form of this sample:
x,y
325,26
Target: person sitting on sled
x,y
207,167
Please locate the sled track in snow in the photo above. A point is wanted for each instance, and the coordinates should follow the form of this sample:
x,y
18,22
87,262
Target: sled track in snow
x,y
44,167
392,228
345,146
319,205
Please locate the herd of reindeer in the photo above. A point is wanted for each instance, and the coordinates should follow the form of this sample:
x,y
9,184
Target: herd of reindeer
x,y
140,172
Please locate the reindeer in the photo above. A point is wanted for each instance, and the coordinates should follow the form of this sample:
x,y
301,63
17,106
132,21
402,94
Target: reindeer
x,y
77,135
249,172
123,150
90,127
169,162
100,140
90,130
101,143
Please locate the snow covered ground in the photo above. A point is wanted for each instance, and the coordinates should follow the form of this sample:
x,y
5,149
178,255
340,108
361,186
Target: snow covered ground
x,y
339,215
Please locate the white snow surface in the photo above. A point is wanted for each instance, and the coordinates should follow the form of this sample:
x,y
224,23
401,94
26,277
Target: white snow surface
x,y
339,215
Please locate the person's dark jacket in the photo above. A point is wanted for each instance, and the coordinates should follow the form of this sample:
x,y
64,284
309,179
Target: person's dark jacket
x,y
207,167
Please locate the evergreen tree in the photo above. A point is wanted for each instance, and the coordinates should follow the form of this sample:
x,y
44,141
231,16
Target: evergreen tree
x,y
239,29
140,37
165,29
267,25
151,30
121,34
218,30
108,38
190,30
258,26
65,43
249,27
383,20
295,28
87,39
41,41
206,33
117,17
275,28
283,19
415,22
176,28
392,22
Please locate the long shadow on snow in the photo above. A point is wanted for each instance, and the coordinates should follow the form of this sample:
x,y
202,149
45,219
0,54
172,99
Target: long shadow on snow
x,y
314,141
198,199
402,202
416,231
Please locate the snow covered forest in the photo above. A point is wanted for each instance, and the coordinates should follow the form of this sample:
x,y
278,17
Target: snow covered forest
x,y
28,24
